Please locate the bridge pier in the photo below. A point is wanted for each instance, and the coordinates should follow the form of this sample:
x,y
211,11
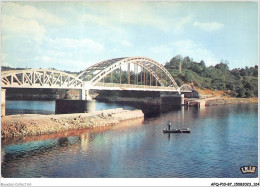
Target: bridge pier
x,y
69,105
173,100
3,102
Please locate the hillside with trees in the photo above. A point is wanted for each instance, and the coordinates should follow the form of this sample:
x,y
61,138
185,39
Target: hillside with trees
x,y
236,82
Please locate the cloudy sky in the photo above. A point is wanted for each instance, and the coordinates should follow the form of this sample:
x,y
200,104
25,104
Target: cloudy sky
x,y
74,35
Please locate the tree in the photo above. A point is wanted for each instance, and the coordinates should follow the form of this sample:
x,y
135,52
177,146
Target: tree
x,y
222,66
255,71
241,92
243,72
175,62
189,77
218,84
249,93
241,82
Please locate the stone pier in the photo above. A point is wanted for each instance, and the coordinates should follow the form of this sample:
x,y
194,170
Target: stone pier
x,y
174,100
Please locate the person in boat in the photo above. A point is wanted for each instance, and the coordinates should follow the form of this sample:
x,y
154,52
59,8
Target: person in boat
x,y
169,125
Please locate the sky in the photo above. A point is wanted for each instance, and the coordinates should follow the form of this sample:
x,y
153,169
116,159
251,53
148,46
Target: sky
x,y
75,35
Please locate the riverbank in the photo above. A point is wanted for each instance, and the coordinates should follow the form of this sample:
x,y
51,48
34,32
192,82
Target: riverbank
x,y
225,100
36,124
211,101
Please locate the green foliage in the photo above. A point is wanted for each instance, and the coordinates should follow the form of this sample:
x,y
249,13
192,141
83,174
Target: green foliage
x,y
241,92
238,82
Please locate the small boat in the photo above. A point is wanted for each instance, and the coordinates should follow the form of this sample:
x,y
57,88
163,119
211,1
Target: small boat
x,y
184,130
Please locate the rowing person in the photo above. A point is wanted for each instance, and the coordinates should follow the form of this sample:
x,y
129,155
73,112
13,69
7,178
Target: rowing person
x,y
169,125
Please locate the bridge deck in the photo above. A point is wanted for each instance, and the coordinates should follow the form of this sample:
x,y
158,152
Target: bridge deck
x,y
114,86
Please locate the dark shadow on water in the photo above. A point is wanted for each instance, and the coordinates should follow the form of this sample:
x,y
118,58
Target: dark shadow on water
x,y
30,149
63,142
150,110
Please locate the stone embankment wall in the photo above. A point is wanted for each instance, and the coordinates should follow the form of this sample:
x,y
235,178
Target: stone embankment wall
x,y
36,124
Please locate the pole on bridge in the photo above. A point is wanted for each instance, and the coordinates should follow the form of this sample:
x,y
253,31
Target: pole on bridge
x,y
128,72
166,80
141,75
111,77
150,79
156,76
161,75
120,75
23,79
144,76
137,74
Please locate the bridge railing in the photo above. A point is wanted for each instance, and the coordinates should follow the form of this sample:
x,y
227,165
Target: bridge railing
x,y
122,86
39,78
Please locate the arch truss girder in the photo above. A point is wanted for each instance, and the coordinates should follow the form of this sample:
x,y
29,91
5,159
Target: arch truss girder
x,y
97,67
151,70
40,79
102,69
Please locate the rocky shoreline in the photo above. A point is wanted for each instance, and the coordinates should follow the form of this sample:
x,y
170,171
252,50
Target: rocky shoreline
x,y
223,100
211,101
36,124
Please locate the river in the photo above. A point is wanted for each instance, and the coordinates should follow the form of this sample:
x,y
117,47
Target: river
x,y
223,138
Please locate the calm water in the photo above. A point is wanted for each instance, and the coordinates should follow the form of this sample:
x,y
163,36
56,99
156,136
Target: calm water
x,y
223,138
47,107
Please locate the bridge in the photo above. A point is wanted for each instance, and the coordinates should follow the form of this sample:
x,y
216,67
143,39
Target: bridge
x,y
127,73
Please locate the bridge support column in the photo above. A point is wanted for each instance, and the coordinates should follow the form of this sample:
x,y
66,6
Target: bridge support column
x,y
174,100
3,102
82,94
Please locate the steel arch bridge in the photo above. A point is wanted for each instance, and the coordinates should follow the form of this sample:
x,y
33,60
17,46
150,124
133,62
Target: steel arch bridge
x,y
100,70
149,76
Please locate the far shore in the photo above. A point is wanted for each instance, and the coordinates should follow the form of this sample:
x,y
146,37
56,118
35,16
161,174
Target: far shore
x,y
225,100
217,100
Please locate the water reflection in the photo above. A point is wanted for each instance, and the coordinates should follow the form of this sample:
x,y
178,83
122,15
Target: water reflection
x,y
84,140
22,150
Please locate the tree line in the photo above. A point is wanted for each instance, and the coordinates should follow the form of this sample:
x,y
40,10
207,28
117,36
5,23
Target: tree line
x,y
238,82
